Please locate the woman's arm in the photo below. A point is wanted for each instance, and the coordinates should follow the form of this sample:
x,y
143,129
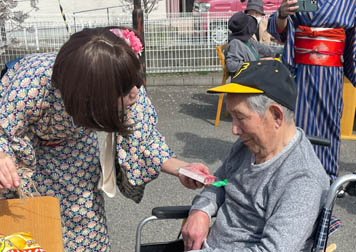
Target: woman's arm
x,y
172,165
145,152
288,7
21,105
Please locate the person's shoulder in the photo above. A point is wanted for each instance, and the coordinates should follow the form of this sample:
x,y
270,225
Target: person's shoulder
x,y
305,148
263,23
235,41
143,99
236,44
304,160
39,59
37,64
253,41
34,70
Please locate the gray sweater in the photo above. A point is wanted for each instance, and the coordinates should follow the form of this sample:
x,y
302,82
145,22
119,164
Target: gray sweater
x,y
238,52
271,206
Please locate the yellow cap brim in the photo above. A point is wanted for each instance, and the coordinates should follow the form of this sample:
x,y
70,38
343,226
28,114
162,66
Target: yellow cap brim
x,y
234,88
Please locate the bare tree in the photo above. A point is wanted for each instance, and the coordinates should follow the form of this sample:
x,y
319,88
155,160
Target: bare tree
x,y
147,5
9,14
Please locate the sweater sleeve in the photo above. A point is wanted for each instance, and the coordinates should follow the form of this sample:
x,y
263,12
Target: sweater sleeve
x,y
265,50
21,105
210,200
142,153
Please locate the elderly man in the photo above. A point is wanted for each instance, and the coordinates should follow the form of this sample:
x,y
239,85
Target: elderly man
x,y
276,185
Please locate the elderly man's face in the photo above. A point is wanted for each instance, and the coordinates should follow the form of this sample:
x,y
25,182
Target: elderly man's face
x,y
255,131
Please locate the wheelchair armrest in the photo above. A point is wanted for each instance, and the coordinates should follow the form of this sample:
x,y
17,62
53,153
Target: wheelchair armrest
x,y
319,140
171,212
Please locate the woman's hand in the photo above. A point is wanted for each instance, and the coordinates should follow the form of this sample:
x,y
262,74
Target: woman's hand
x,y
267,58
288,7
8,172
172,165
198,168
195,230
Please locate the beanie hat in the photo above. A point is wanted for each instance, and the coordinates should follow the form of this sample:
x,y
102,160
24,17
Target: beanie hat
x,y
242,26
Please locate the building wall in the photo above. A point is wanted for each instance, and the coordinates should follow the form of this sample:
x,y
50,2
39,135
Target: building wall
x,y
51,8
175,6
172,6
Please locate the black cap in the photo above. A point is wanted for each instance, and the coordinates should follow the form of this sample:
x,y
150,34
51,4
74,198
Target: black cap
x,y
268,77
242,26
256,5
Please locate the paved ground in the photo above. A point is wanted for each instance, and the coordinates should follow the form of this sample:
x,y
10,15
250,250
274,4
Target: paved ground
x,y
186,118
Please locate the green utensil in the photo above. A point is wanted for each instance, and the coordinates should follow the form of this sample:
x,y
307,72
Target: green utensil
x,y
219,183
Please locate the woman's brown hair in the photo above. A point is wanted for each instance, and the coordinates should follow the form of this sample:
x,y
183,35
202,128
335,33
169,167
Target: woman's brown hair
x,y
92,70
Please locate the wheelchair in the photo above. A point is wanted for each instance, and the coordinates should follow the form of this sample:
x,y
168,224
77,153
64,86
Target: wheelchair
x,y
326,223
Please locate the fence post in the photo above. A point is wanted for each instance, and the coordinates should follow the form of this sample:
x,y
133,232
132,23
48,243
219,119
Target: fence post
x,y
208,29
25,37
75,24
36,37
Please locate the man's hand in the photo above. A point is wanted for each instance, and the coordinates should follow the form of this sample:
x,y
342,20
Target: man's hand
x,y
195,230
8,173
195,167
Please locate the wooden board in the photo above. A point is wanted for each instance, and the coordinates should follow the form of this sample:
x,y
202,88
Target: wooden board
x,y
348,115
39,216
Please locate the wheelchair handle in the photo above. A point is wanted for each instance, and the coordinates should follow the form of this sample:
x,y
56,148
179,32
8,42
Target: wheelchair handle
x,y
171,212
319,141
334,188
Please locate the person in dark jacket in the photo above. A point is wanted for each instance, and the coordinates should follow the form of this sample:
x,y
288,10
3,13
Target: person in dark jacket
x,y
242,47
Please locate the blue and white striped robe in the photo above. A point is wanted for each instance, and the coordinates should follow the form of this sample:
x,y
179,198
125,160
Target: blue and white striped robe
x,y
319,104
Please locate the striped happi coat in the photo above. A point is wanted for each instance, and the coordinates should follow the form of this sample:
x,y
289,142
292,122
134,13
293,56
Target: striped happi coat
x,y
319,103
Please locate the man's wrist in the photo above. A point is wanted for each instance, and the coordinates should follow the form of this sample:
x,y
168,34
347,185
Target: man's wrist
x,y
280,14
200,213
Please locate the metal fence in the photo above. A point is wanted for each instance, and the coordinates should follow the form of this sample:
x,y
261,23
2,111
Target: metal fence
x,y
182,42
